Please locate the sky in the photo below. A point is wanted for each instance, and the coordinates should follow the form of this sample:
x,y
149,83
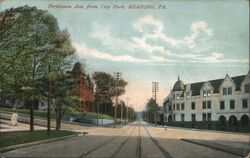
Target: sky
x,y
197,40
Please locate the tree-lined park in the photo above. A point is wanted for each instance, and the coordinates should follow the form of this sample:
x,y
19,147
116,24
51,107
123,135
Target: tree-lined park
x,y
35,63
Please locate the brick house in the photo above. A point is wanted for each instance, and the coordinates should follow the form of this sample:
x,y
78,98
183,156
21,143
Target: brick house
x,y
83,88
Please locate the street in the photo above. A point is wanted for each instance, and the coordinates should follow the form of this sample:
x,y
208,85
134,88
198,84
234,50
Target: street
x,y
137,139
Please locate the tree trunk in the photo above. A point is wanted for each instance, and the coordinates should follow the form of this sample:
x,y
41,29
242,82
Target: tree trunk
x,y
32,116
49,99
60,115
57,115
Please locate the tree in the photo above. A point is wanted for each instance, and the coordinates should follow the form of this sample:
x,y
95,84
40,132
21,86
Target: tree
x,y
105,90
59,63
32,46
151,108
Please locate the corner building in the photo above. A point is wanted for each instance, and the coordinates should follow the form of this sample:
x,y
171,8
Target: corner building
x,y
221,104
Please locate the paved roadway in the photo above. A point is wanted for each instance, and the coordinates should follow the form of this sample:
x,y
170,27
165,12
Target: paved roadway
x,y
135,140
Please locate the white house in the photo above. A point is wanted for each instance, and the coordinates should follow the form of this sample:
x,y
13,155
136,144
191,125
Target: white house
x,y
222,104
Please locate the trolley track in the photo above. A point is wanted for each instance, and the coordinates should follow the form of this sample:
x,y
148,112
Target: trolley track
x,y
163,151
123,143
85,154
138,149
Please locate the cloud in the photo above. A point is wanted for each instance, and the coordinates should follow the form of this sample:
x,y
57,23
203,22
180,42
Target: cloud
x,y
147,47
103,34
156,46
82,49
196,29
148,25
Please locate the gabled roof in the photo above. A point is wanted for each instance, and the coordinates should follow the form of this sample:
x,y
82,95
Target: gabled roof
x,y
195,87
238,81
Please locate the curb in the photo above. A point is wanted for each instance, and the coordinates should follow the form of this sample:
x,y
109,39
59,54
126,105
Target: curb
x,y
18,146
214,147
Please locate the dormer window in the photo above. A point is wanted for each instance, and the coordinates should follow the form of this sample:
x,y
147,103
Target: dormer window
x,y
227,91
224,91
208,93
204,93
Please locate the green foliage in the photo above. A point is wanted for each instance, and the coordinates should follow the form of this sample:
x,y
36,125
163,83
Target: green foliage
x,y
35,54
151,108
105,91
20,137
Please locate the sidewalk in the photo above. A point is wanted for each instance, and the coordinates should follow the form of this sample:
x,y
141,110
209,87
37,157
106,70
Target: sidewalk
x,y
5,127
230,147
42,122
230,142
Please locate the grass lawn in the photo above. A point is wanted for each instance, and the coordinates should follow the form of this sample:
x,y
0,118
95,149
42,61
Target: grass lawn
x,y
20,137
43,114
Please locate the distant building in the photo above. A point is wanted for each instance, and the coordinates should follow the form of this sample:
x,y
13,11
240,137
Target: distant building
x,y
221,104
83,88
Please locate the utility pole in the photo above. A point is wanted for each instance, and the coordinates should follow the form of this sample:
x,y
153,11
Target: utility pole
x,y
49,98
155,89
98,114
127,112
117,76
121,112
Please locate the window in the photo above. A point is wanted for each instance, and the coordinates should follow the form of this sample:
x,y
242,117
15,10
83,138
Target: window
x,y
247,88
204,117
244,103
222,105
209,116
173,97
187,95
193,117
193,105
174,106
208,93
209,104
182,117
204,93
224,91
178,107
232,104
170,108
204,105
229,90
182,106
177,96
42,103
